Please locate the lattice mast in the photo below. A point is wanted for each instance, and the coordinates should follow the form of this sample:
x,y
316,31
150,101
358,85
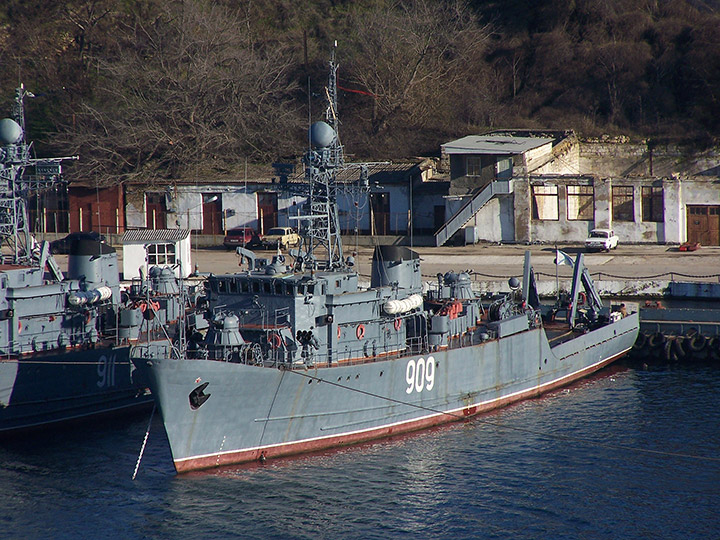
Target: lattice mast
x,y
16,184
323,160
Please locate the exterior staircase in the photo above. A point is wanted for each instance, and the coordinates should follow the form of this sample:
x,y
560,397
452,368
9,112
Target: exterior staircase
x,y
470,208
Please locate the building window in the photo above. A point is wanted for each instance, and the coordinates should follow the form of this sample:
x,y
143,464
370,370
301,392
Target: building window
x,y
623,203
652,204
473,166
161,254
545,202
580,203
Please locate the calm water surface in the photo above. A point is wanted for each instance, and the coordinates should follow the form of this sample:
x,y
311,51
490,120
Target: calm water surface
x,y
563,466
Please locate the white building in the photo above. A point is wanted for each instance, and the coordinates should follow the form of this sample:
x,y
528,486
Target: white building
x,y
143,248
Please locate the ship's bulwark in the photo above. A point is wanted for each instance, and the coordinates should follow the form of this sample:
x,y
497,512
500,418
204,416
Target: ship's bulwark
x,y
254,412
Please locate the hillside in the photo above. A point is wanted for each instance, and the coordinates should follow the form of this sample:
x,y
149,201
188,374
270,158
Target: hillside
x,y
151,89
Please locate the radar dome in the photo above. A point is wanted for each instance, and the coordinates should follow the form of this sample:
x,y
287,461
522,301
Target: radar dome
x,y
321,135
10,131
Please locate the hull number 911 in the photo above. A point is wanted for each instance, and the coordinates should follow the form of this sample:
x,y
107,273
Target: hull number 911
x,y
420,375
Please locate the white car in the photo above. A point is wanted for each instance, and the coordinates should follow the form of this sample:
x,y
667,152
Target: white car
x,y
601,239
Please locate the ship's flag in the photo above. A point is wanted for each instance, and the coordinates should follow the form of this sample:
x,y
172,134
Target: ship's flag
x,y
563,258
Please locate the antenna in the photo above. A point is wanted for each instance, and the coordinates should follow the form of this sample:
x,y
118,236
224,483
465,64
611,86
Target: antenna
x,y
15,185
321,227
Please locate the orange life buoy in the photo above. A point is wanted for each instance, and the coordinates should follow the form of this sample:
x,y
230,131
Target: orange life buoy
x,y
339,332
397,324
275,341
360,331
155,305
143,307
582,298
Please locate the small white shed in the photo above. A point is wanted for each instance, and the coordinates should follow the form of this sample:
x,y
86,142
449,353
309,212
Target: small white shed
x,y
143,248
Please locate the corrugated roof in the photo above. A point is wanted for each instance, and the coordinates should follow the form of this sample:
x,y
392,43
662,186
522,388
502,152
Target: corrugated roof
x,y
380,172
154,236
493,144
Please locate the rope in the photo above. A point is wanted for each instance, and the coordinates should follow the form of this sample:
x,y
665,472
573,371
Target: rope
x,y
58,363
545,434
142,448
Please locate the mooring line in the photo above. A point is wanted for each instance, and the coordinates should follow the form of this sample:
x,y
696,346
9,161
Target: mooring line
x,y
545,434
142,448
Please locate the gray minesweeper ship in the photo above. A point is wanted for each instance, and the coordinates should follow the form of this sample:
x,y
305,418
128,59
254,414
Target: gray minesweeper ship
x,y
64,339
297,357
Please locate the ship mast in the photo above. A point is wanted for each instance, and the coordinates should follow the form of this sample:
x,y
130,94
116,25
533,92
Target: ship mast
x,y
15,185
320,229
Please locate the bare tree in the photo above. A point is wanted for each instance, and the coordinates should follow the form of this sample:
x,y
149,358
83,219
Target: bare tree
x,y
412,57
183,93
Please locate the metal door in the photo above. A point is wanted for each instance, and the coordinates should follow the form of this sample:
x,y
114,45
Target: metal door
x,y
267,210
212,214
156,210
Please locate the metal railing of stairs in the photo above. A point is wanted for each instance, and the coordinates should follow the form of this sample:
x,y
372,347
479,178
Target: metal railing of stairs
x,y
470,208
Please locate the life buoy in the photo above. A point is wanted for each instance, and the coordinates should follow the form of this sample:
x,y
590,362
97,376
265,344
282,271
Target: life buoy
x,y
397,324
155,305
360,331
339,332
275,341
143,307
582,298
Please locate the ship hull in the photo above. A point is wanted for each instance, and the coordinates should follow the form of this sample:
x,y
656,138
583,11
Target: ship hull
x,y
255,412
47,389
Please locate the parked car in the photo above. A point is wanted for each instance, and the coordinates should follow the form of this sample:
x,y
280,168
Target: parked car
x,y
63,245
601,239
282,237
242,236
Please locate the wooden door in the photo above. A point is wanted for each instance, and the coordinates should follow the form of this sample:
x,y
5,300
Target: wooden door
x,y
713,226
380,206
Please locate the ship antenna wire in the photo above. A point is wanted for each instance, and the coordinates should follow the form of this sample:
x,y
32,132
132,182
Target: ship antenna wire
x,y
545,434
142,448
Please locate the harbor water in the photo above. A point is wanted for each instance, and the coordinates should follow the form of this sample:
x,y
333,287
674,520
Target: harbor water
x,y
632,452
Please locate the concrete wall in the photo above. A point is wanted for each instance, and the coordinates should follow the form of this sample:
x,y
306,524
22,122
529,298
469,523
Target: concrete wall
x,y
495,221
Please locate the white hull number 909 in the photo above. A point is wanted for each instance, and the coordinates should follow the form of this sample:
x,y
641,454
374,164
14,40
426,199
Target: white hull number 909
x,y
420,375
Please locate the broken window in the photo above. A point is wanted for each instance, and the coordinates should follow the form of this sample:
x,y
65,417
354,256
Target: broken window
x,y
652,204
580,203
623,203
545,202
